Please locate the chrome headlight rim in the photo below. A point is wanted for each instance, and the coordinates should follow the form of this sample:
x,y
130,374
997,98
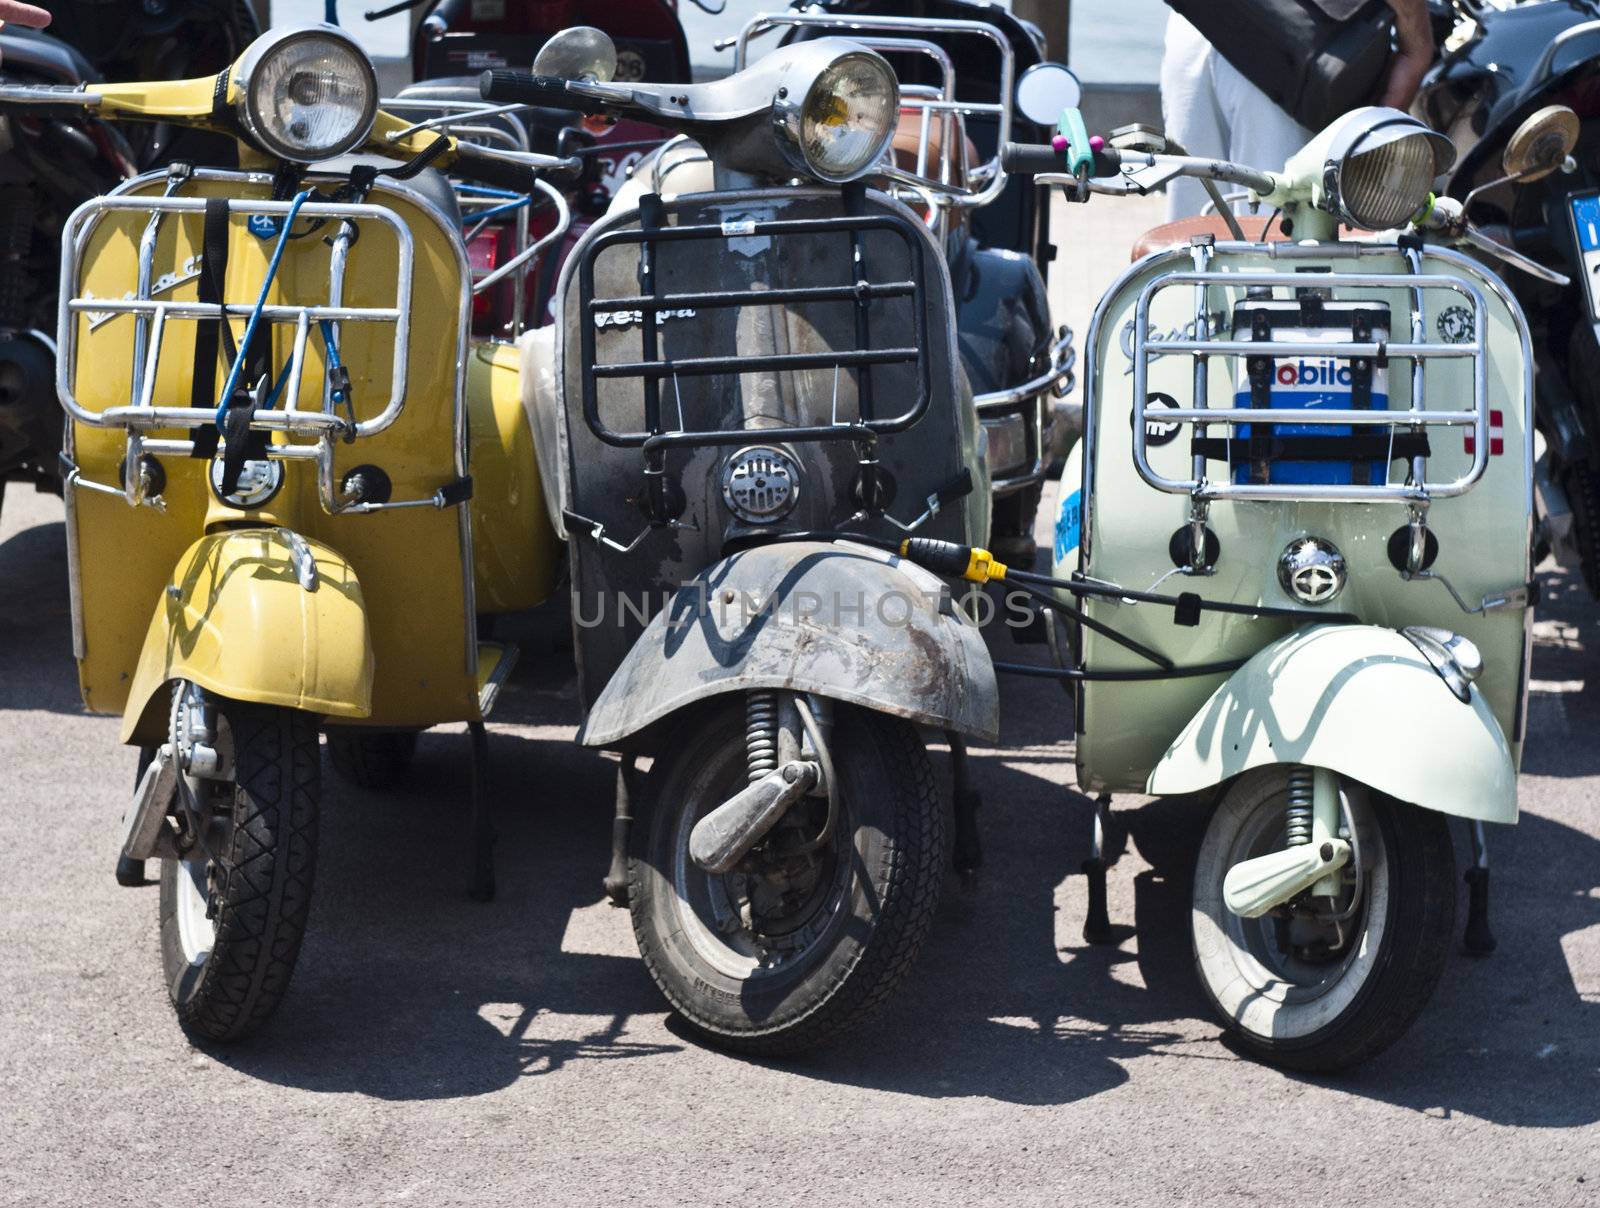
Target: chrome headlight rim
x,y
1371,129
790,105
246,103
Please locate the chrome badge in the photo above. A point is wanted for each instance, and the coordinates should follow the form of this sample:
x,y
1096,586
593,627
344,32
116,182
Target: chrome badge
x,y
259,481
1311,570
761,484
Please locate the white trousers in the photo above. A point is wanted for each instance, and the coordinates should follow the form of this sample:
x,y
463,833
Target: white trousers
x,y
1213,110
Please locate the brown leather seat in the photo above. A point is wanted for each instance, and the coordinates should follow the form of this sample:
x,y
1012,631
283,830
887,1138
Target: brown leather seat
x,y
1178,234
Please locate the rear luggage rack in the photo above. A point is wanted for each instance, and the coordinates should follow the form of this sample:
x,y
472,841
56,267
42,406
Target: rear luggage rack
x,y
652,367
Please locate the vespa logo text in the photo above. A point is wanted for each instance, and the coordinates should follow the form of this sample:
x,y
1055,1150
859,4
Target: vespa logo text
x,y
627,318
189,271
1326,372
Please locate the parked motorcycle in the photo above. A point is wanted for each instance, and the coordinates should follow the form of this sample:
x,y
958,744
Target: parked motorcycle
x,y
285,508
52,161
454,42
756,393
1500,68
1293,552
972,78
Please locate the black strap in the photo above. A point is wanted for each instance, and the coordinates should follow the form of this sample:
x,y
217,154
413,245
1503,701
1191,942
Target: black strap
x,y
1259,369
1367,447
1361,373
213,271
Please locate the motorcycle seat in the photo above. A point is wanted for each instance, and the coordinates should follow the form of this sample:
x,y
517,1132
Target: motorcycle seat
x,y
1178,234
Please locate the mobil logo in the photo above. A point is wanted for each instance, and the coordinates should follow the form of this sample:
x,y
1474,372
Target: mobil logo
x,y
1321,372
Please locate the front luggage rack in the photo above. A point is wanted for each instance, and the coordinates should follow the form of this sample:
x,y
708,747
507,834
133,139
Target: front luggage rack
x,y
152,316
1406,427
652,367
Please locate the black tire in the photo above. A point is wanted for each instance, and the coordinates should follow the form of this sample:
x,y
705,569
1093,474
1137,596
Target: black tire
x,y
1011,527
1579,478
371,759
883,885
260,889
1380,986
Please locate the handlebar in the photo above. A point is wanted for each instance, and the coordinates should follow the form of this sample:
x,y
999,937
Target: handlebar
x,y
1033,159
476,164
518,87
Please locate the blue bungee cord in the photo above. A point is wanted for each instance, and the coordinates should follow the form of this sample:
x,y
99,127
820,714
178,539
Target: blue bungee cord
x,y
234,370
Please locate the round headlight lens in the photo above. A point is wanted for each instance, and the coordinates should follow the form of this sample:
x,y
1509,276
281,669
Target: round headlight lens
x,y
309,96
1382,187
849,116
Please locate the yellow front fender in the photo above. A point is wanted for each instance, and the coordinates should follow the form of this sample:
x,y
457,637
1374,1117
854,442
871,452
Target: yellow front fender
x,y
245,619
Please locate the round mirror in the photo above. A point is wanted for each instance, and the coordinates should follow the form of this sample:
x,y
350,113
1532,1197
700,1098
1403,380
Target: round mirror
x,y
1541,144
1044,90
580,53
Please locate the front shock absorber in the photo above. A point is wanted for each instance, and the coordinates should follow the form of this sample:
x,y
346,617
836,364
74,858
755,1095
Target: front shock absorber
x,y
1298,814
761,732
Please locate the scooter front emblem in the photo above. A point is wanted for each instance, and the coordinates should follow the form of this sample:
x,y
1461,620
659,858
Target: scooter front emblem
x,y
1311,570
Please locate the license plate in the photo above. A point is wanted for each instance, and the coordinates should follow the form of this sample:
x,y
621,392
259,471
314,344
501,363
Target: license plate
x,y
1585,212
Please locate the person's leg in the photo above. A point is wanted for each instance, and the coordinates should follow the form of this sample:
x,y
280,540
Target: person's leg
x,y
1189,108
1257,132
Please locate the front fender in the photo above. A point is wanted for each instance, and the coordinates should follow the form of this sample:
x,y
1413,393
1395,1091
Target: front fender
x,y
237,621
844,621
1358,699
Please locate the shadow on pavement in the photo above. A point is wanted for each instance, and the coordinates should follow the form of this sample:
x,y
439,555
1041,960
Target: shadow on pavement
x,y
36,621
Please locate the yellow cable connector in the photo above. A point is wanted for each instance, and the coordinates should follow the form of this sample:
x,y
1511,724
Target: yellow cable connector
x,y
957,561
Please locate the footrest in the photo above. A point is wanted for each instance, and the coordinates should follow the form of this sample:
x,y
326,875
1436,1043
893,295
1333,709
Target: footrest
x,y
495,663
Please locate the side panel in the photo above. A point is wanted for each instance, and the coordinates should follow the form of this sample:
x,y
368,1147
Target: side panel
x,y
237,621
1127,525
516,555
1362,701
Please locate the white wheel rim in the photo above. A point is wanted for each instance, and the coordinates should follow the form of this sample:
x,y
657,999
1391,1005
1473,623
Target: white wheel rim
x,y
1279,999
196,933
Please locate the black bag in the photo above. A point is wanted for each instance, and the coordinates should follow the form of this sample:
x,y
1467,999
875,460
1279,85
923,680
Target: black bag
x,y
1316,59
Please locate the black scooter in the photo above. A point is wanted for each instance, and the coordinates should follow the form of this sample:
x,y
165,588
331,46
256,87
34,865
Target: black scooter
x,y
1535,186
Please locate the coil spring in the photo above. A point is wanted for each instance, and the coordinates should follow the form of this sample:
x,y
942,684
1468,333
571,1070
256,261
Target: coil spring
x,y
761,733
1297,815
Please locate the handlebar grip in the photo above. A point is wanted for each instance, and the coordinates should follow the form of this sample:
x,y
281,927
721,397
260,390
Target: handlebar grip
x,y
519,88
1027,159
1030,159
472,163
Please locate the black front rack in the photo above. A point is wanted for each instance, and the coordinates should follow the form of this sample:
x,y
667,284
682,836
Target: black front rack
x,y
652,367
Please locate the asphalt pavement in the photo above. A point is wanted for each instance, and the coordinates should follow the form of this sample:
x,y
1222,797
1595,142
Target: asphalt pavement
x,y
437,1051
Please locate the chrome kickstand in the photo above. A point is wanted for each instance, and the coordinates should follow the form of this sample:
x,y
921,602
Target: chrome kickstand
x,y
1097,920
616,882
1478,940
482,887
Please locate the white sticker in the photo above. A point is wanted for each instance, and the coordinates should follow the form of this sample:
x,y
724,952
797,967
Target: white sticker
x,y
744,226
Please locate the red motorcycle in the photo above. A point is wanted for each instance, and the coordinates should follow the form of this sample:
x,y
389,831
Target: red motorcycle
x,y
460,39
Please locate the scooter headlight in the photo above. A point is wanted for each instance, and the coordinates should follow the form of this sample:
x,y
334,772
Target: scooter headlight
x,y
1380,165
306,94
844,122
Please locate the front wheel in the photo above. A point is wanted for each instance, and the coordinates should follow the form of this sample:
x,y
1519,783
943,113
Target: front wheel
x,y
1300,986
793,946
233,911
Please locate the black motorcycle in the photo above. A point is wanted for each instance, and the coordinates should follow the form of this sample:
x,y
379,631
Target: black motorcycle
x,y
1535,186
52,160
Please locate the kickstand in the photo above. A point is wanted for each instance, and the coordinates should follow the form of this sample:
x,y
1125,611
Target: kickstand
x,y
482,888
1097,921
1478,940
616,882
967,851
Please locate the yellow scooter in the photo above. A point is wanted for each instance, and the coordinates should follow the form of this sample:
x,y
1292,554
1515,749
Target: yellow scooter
x,y
293,483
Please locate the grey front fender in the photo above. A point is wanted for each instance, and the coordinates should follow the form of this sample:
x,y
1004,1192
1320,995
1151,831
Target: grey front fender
x,y
844,621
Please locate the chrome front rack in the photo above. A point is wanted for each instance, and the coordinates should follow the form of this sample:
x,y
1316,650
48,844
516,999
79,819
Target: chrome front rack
x,y
152,316
1417,490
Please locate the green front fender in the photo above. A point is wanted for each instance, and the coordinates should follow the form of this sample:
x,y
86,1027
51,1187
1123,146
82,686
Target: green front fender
x,y
1362,701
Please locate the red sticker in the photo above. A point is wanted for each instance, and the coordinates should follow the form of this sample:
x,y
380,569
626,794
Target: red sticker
x,y
1497,435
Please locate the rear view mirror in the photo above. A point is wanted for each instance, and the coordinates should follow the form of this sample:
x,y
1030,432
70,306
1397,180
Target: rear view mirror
x,y
1541,144
580,53
1044,90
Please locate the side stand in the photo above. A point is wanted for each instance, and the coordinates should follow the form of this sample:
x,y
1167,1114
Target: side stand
x,y
1478,940
967,850
616,882
482,887
1097,921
